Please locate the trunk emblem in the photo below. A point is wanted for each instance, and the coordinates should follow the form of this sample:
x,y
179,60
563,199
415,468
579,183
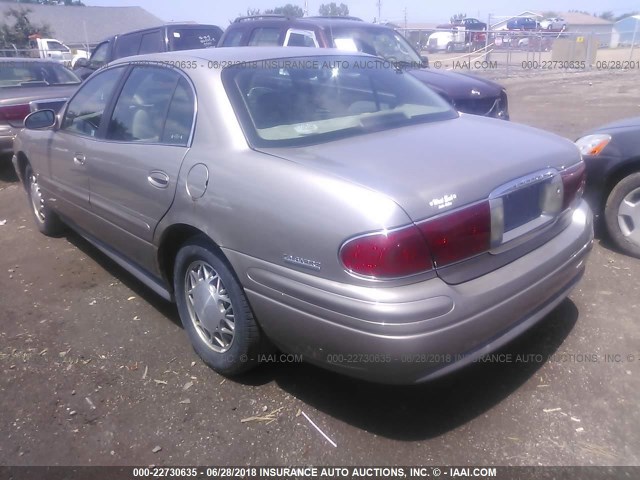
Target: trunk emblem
x,y
475,92
443,202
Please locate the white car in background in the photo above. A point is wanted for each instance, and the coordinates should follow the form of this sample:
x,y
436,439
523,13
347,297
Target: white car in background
x,y
553,24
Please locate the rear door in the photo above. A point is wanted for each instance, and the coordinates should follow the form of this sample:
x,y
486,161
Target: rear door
x,y
133,171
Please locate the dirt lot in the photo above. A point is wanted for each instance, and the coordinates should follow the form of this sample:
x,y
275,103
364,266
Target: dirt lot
x,y
96,370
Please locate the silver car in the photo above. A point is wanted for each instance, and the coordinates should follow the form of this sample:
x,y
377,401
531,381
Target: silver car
x,y
25,83
320,202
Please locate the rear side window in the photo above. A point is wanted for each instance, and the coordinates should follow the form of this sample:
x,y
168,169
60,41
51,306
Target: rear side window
x,y
177,128
192,38
155,106
300,38
261,37
84,113
151,42
127,45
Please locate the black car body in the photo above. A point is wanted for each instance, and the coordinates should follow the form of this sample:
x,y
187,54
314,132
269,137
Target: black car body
x,y
612,157
165,38
522,23
467,93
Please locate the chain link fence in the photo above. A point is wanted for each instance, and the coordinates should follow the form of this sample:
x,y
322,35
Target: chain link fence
x,y
504,53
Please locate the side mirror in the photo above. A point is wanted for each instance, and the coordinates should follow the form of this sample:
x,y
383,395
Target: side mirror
x,y
81,63
40,119
425,61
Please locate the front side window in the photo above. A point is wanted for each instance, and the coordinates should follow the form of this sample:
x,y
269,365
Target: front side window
x,y
99,55
85,110
155,106
56,46
303,101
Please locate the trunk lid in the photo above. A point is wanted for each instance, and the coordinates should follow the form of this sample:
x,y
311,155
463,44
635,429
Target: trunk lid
x,y
432,168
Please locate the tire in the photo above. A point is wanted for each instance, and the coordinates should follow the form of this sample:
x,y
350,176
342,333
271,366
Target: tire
x,y
622,215
214,310
46,220
449,48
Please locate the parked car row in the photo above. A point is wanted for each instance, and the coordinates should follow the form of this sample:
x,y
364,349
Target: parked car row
x,y
529,23
321,210
465,92
295,199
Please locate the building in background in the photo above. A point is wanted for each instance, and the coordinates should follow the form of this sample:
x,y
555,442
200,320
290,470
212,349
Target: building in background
x,y
626,32
85,26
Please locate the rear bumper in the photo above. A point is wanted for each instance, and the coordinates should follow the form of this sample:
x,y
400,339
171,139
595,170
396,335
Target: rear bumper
x,y
414,333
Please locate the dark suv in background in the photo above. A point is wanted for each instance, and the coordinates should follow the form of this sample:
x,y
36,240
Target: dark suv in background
x,y
165,38
467,93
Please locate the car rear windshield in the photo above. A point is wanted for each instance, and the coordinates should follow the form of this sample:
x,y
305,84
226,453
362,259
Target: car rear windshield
x,y
303,101
25,74
192,38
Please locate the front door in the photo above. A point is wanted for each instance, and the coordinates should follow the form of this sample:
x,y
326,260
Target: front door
x,y
133,171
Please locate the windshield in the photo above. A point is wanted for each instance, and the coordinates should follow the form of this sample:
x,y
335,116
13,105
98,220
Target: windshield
x,y
303,101
381,42
24,74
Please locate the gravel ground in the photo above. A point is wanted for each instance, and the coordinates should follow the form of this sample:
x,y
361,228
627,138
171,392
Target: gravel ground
x,y
96,370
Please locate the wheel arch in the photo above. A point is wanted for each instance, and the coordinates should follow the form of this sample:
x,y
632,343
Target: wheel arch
x,y
173,237
618,173
23,161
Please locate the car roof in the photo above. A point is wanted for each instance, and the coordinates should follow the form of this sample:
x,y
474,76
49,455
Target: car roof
x,y
232,55
30,60
324,22
166,25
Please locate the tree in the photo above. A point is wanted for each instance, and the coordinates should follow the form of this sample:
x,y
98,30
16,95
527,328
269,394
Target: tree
x,y
18,27
606,15
288,10
251,12
457,18
550,14
333,10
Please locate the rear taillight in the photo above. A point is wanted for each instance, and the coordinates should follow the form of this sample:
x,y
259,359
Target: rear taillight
x,y
387,254
14,114
458,235
414,249
573,181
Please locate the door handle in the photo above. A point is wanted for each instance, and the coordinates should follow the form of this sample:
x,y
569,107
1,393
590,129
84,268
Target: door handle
x,y
158,179
79,159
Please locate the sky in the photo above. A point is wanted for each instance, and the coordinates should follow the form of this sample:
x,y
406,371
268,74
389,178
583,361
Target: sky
x,y
221,12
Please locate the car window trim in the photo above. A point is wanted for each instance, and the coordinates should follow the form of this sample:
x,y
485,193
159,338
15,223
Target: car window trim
x,y
106,108
307,33
102,131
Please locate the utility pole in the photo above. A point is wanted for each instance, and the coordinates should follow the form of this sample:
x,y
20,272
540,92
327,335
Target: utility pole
x,y
306,8
379,3
405,20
